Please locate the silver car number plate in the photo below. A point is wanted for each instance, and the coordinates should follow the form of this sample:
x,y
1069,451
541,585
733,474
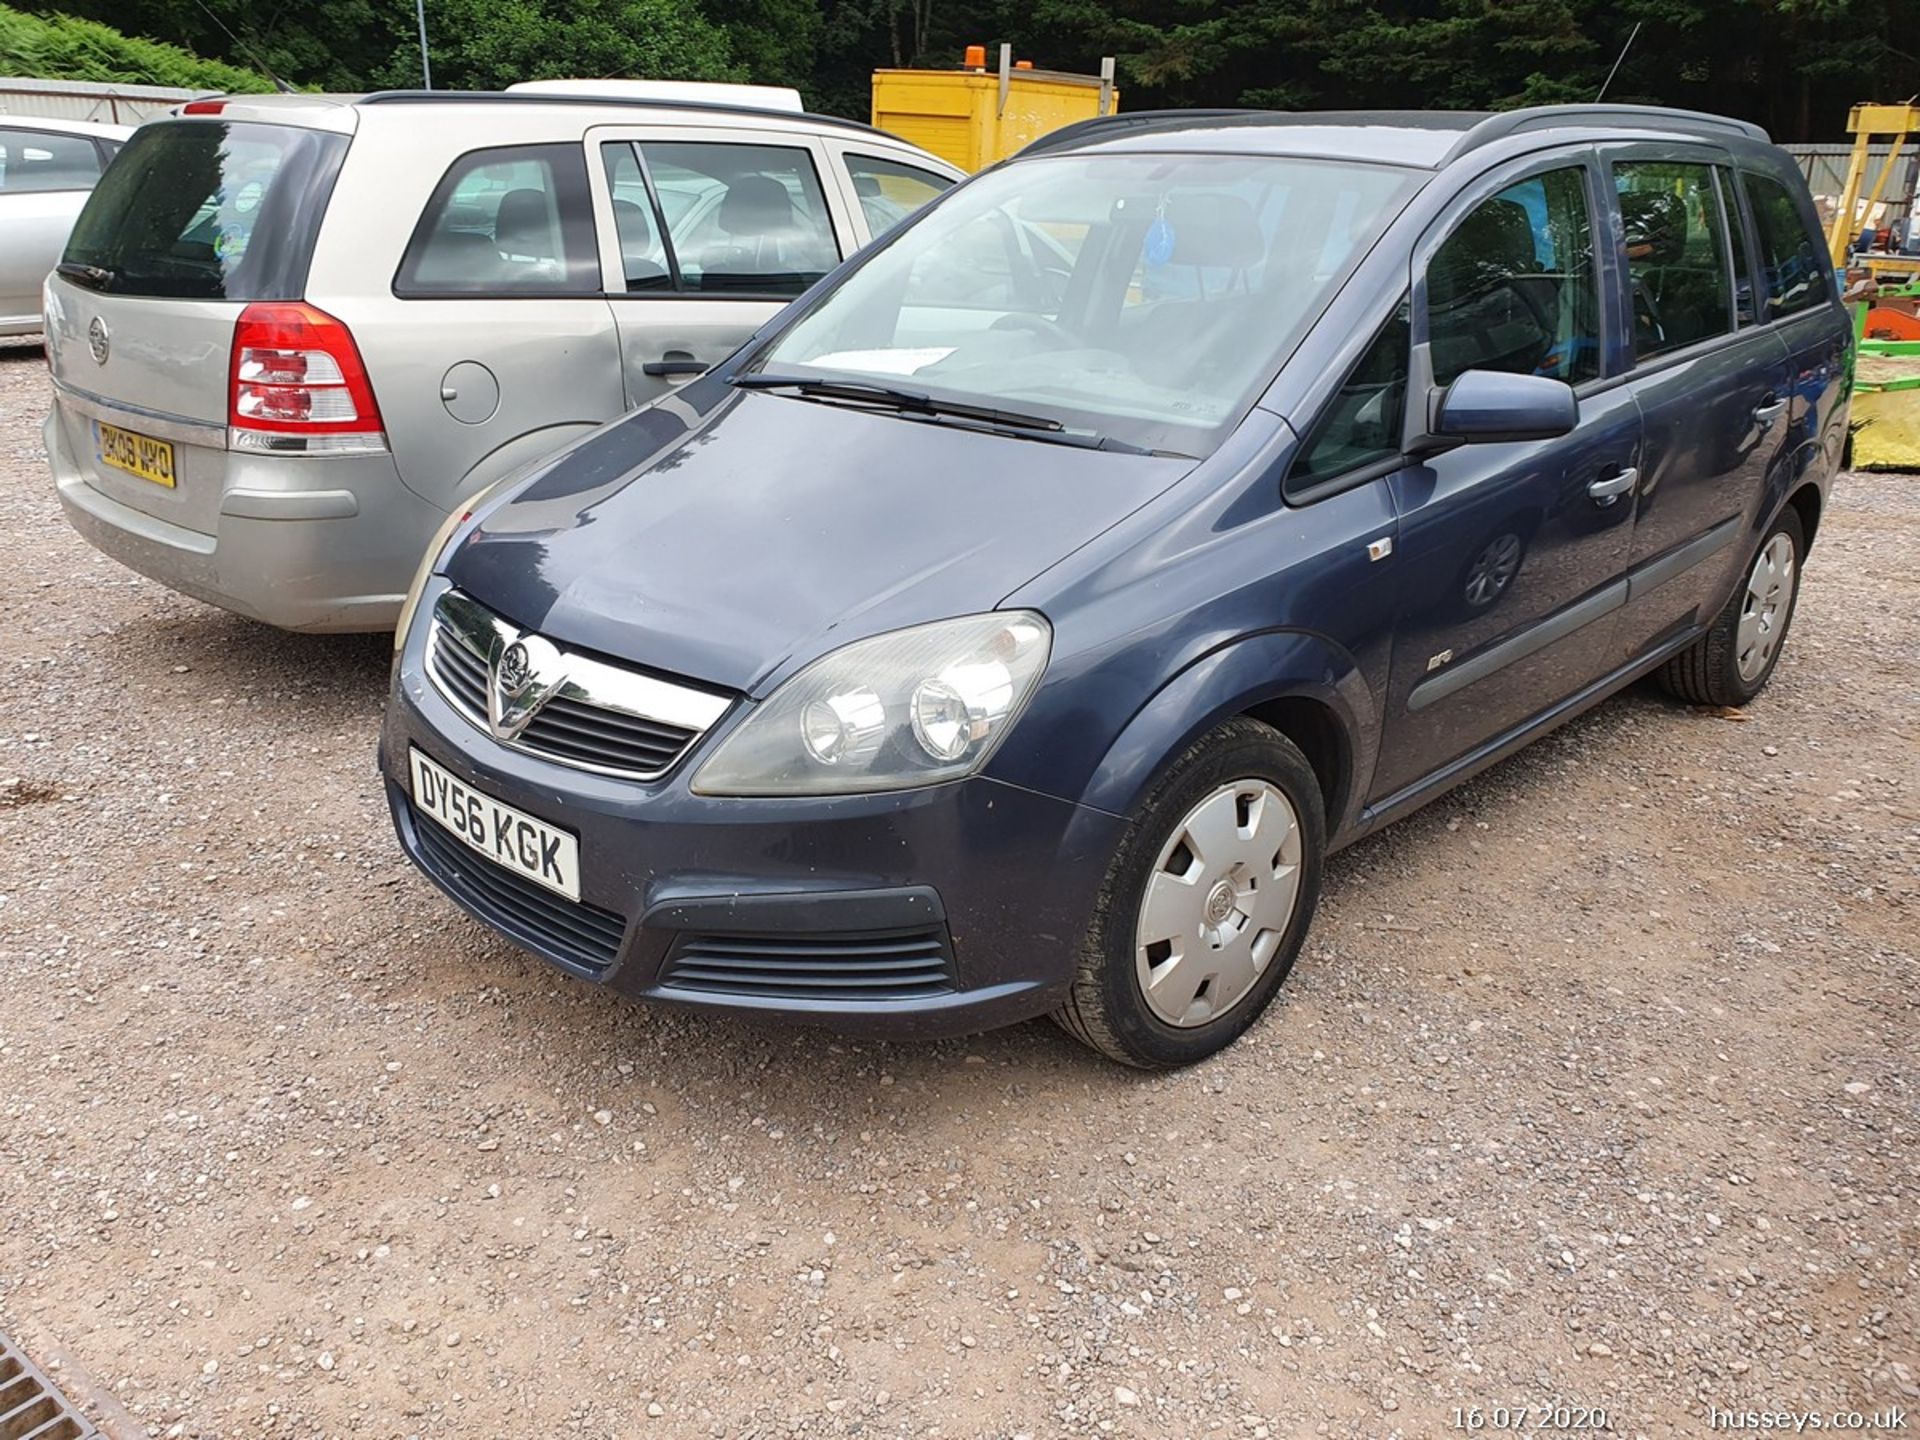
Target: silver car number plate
x,y
510,838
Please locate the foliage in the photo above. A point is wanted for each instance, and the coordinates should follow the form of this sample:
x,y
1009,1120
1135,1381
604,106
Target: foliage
x,y
489,44
59,47
330,45
1793,65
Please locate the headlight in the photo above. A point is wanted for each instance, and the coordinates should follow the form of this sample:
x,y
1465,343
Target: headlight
x,y
913,707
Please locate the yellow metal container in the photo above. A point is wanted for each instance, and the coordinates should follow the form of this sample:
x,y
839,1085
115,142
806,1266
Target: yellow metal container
x,y
973,119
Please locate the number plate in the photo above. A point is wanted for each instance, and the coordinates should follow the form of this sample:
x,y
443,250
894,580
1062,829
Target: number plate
x,y
139,455
510,838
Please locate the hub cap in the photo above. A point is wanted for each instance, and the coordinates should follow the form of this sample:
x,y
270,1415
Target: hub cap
x,y
1218,903
1769,593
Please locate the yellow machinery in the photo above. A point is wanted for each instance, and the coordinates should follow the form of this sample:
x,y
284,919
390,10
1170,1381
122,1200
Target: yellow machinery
x,y
974,117
1897,123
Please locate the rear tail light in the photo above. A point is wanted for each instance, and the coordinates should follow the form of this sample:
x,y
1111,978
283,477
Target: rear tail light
x,y
203,107
298,386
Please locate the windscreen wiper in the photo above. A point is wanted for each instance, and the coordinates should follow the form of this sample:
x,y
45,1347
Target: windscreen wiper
x,y
97,277
898,399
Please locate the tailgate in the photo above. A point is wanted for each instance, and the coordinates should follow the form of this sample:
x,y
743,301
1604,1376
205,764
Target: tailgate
x,y
194,220
144,382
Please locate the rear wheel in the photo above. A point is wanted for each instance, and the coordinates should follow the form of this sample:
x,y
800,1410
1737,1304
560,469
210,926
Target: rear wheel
x,y
1733,661
1206,904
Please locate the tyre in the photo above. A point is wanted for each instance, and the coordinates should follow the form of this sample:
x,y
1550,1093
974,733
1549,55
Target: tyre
x,y
1206,904
1732,662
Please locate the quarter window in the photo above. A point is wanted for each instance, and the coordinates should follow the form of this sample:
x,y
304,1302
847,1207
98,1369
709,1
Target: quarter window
x,y
742,219
513,221
1677,257
889,191
46,160
1363,424
1791,256
1512,288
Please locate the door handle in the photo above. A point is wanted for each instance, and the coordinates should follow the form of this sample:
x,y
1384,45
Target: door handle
x,y
675,362
1609,488
1766,414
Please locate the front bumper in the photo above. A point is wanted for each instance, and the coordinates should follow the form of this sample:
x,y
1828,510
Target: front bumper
x,y
945,910
304,543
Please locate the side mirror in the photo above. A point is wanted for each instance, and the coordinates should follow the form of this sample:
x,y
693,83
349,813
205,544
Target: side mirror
x,y
1486,405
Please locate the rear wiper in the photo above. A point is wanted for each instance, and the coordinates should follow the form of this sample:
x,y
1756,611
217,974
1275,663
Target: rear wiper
x,y
914,400
97,277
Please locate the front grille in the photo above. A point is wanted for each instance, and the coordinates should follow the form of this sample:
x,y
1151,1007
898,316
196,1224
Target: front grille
x,y
580,934
900,966
600,717
30,1407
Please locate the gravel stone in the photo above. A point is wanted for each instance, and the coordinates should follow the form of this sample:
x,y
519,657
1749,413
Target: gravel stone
x,y
1608,1055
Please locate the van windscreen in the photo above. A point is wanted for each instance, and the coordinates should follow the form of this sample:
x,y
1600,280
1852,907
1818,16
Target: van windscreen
x,y
207,210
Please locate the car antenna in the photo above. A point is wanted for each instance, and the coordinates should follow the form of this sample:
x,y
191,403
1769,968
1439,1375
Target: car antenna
x,y
278,83
1616,61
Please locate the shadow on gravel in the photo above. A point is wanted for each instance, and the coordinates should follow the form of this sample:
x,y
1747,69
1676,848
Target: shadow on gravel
x,y
250,655
19,352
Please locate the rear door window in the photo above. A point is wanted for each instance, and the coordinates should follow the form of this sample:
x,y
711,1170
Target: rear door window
x,y
643,252
889,191
46,160
1677,254
742,219
511,221
1512,288
207,210
1792,257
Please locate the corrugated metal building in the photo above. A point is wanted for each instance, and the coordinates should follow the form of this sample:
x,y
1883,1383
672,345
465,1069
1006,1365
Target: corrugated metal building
x,y
1825,167
115,103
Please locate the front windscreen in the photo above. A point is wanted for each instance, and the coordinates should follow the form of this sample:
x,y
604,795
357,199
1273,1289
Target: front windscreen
x,y
207,210
1144,297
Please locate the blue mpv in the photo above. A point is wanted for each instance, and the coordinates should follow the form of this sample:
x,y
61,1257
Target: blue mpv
x,y
1017,622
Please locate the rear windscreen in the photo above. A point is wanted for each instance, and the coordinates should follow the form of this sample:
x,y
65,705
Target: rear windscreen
x,y
206,210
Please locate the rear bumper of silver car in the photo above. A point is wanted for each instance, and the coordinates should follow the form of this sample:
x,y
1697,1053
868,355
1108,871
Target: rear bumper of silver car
x,y
300,542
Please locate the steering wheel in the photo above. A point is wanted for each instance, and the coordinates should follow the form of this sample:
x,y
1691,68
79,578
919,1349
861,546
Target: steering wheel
x,y
1039,324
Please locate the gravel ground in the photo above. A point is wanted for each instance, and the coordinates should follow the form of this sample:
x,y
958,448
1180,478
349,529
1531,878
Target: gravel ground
x,y
1597,1085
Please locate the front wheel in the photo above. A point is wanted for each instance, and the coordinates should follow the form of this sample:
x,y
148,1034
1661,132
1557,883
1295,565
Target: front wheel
x,y
1733,661
1207,902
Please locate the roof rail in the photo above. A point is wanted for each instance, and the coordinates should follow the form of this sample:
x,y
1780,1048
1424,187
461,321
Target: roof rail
x,y
525,97
1476,128
1139,120
1553,117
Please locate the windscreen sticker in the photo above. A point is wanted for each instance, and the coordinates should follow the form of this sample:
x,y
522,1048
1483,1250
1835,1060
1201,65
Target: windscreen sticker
x,y
884,362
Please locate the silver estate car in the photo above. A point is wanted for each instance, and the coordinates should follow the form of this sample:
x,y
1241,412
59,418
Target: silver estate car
x,y
47,170
292,334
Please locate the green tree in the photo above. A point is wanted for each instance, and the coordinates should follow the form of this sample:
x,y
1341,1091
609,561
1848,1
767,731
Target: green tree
x,y
336,45
60,47
774,42
490,44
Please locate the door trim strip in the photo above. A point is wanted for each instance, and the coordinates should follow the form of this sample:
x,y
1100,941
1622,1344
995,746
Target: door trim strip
x,y
1532,640
1652,574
